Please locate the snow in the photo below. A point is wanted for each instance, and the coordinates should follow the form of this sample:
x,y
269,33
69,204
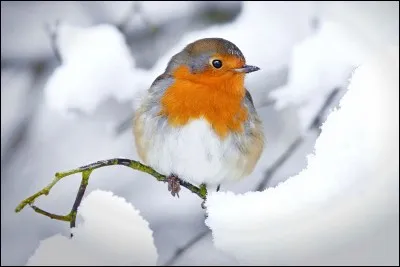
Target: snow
x,y
324,61
319,64
346,199
113,233
96,65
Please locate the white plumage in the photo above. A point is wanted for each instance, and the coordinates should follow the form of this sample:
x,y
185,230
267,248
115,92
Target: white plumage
x,y
193,152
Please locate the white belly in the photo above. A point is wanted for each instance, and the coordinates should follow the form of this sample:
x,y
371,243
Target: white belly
x,y
193,152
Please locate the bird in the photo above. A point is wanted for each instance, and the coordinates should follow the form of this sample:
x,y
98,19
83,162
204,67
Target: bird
x,y
197,122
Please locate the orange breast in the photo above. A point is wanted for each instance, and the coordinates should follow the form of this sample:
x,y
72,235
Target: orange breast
x,y
216,99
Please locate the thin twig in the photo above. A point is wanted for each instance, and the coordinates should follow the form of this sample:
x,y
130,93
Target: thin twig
x,y
279,162
124,125
52,31
189,244
79,196
266,103
314,125
317,121
86,172
65,218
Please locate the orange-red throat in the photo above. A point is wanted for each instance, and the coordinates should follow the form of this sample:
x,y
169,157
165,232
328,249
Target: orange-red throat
x,y
217,97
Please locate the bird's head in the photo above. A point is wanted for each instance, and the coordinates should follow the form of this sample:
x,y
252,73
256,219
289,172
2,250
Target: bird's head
x,y
210,61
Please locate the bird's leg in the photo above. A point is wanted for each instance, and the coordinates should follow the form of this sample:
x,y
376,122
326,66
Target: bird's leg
x,y
173,185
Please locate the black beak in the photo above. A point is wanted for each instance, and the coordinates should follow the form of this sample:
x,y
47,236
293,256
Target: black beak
x,y
247,69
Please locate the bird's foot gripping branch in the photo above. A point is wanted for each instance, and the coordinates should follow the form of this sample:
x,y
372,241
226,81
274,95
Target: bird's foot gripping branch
x,y
86,171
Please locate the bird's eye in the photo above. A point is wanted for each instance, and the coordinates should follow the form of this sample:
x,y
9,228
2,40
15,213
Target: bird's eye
x,y
217,63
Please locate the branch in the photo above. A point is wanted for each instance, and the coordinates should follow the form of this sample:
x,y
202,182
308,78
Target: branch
x,y
124,125
318,119
279,162
314,125
86,172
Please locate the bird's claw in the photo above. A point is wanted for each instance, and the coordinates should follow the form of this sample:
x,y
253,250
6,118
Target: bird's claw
x,y
173,185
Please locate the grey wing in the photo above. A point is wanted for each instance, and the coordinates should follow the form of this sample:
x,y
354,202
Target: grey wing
x,y
251,144
248,101
253,123
151,104
161,83
150,101
150,107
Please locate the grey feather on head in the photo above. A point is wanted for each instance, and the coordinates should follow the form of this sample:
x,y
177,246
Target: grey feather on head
x,y
196,55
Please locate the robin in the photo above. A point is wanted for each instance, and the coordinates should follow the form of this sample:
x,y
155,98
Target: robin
x,y
197,121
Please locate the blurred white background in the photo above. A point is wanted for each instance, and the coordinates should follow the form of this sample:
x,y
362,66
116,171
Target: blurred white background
x,y
306,51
